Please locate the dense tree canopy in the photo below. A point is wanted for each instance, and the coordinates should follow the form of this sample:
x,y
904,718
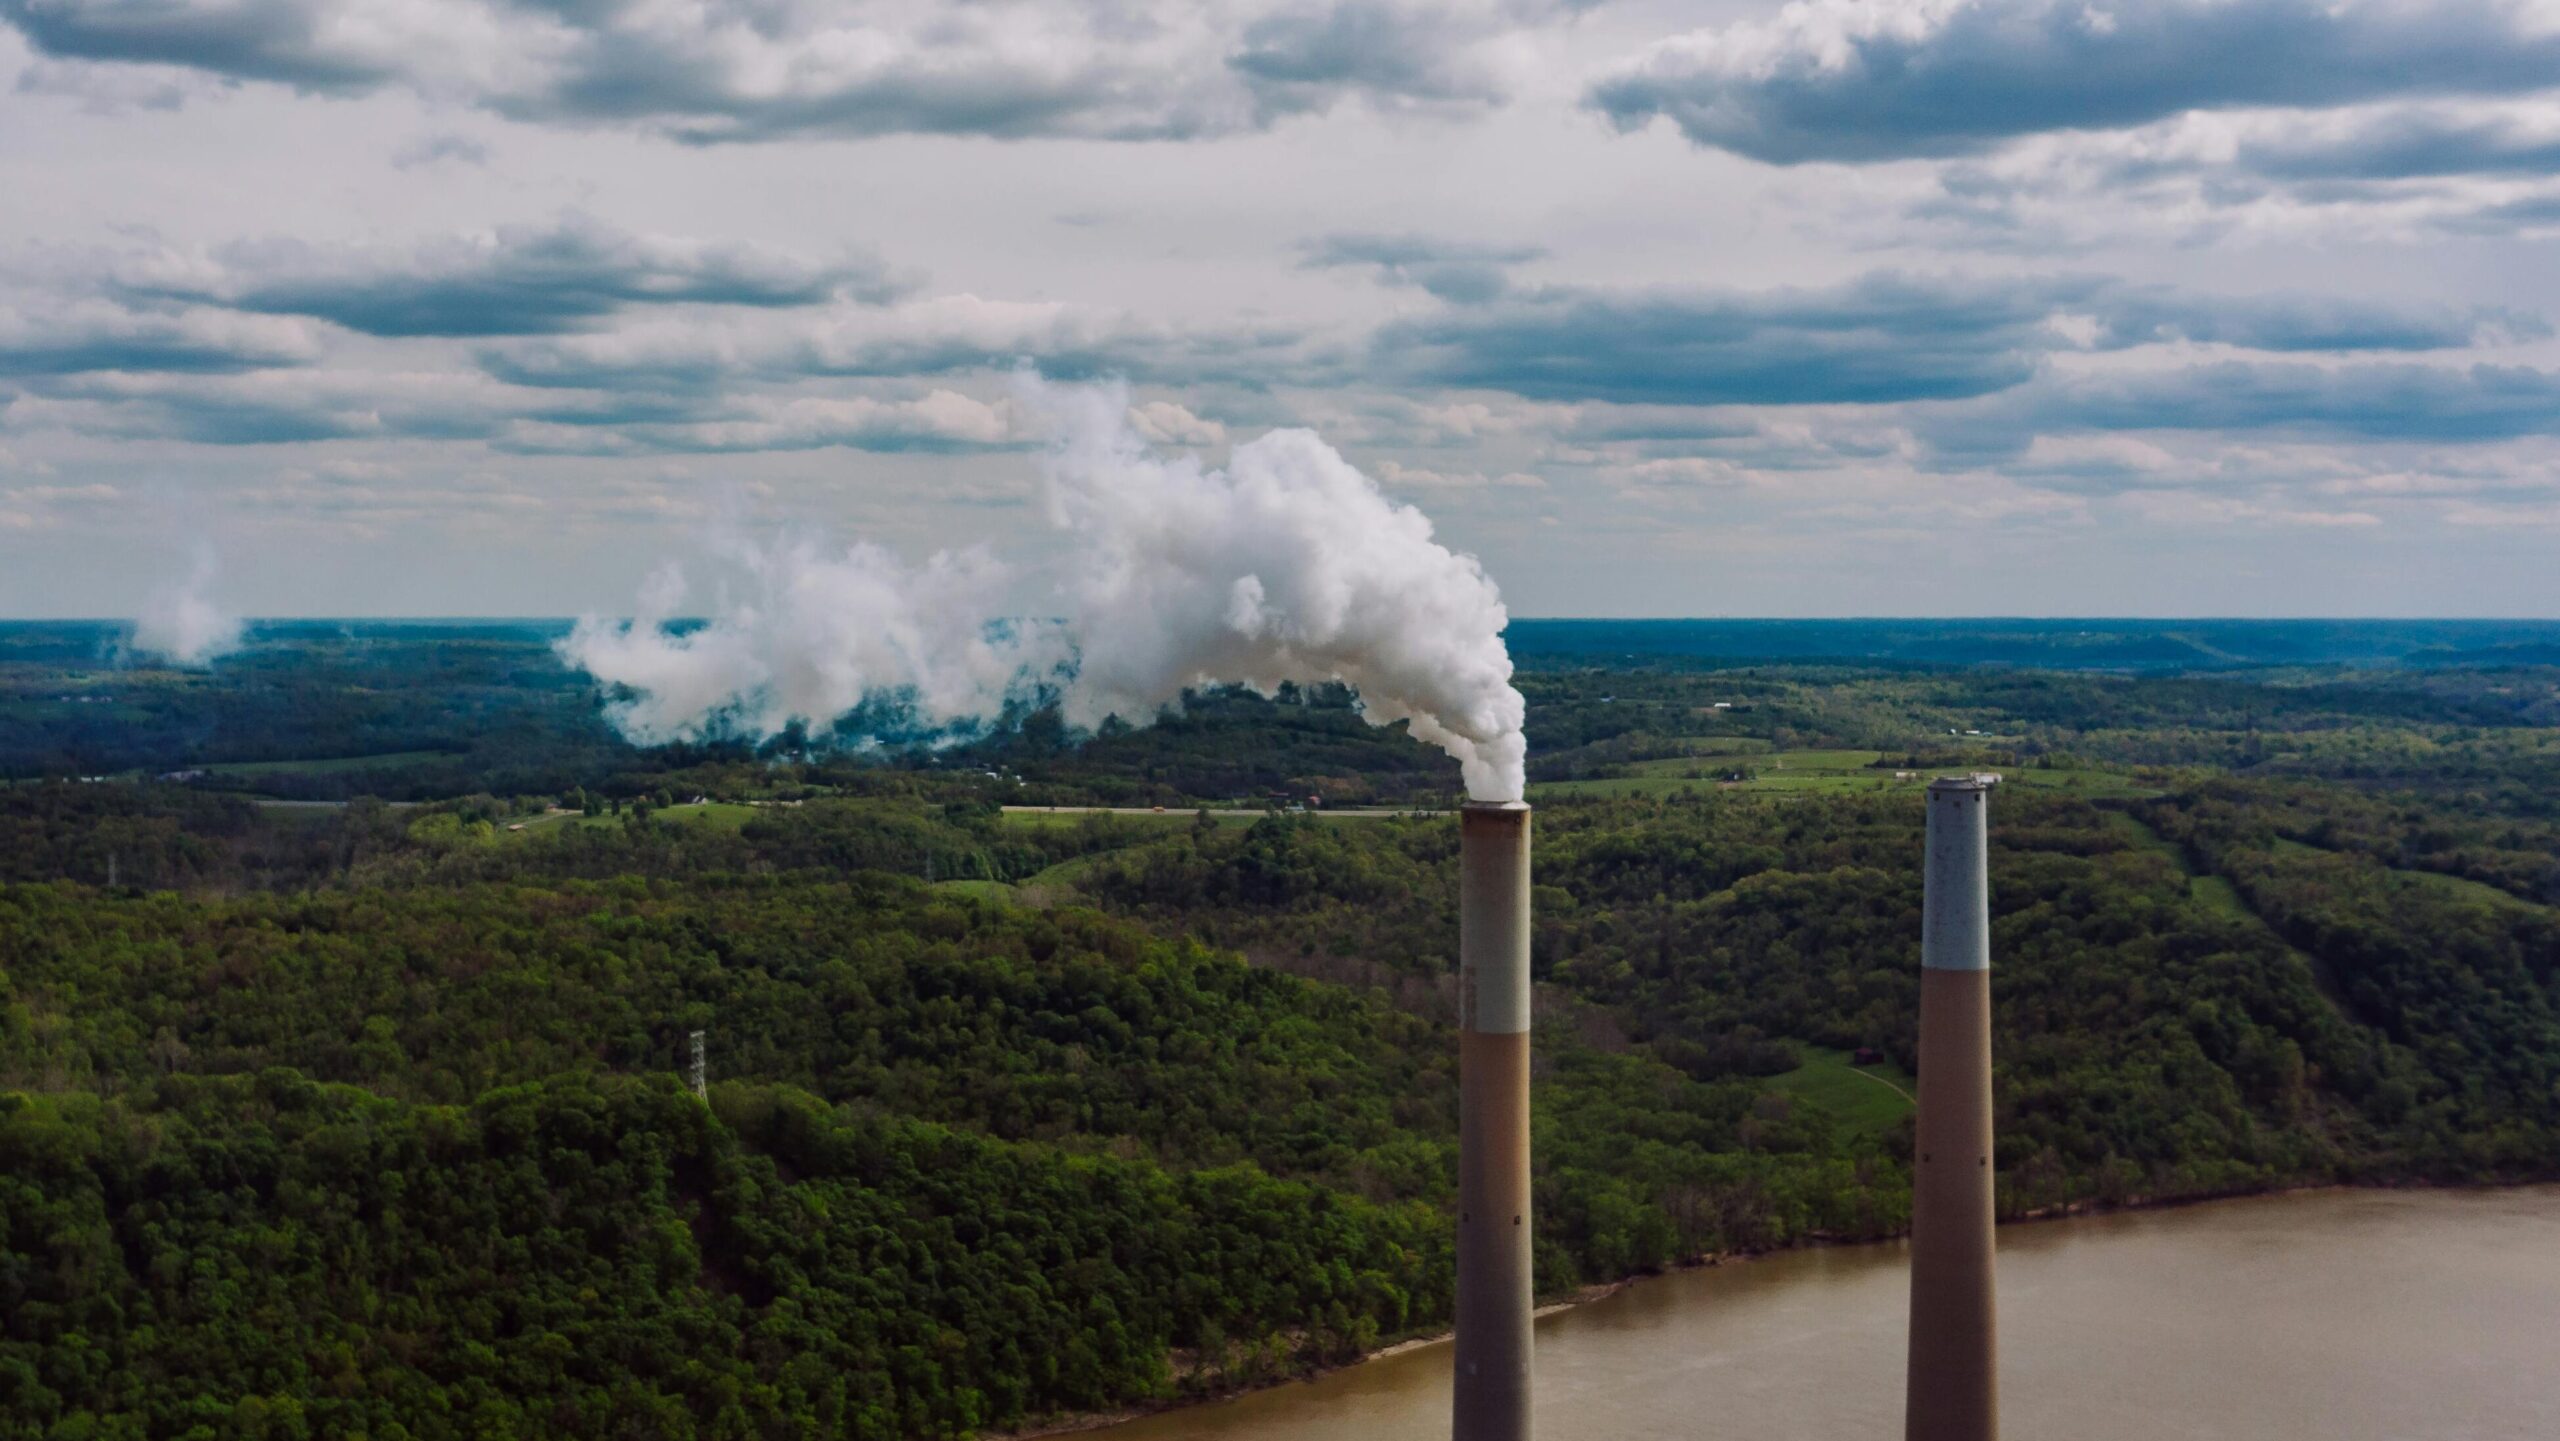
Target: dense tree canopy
x,y
324,1120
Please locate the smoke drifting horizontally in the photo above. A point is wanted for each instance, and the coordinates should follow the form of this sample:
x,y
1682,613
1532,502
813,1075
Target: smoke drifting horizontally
x,y
1288,565
816,636
179,621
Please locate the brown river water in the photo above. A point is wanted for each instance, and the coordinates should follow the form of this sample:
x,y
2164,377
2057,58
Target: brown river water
x,y
2337,1315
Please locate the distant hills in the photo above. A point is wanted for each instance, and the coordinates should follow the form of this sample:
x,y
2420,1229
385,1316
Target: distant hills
x,y
2091,644
2136,645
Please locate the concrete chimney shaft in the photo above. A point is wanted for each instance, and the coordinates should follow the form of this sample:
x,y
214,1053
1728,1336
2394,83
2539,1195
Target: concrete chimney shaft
x,y
1491,1396
1952,1388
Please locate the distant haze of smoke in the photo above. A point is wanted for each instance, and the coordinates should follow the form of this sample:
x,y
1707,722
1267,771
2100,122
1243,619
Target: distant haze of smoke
x,y
179,621
1288,565
812,635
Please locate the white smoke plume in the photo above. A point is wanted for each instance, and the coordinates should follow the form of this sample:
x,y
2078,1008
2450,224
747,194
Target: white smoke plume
x,y
1288,565
815,635
179,621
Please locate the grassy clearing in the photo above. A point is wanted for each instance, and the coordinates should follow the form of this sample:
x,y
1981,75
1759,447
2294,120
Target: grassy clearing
x,y
1823,760
2145,838
1817,770
718,815
1065,874
2479,892
1831,781
1620,786
1706,764
2211,892
2220,897
2094,785
1704,753
996,892
1863,1098
1823,772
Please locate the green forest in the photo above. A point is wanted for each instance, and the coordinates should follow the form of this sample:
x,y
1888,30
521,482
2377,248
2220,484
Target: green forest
x,y
345,1025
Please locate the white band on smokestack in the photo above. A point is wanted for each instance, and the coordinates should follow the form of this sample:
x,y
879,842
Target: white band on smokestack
x,y
1955,902
1493,919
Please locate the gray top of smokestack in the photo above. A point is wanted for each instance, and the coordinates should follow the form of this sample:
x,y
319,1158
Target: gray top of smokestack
x,y
1955,895
1493,917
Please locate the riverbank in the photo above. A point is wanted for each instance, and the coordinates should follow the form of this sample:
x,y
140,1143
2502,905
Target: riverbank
x,y
1098,1420
2343,1313
2090,1210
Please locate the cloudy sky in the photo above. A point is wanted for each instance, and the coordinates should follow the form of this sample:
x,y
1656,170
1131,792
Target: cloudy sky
x,y
1939,307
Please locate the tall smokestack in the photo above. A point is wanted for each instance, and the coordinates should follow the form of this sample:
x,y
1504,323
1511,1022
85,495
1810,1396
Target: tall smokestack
x,y
1953,1389
1494,1295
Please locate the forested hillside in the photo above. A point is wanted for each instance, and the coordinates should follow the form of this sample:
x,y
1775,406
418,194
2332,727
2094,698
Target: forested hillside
x,y
330,1120
261,1255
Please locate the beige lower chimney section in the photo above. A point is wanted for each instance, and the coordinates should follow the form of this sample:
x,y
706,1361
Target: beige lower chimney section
x,y
1953,1385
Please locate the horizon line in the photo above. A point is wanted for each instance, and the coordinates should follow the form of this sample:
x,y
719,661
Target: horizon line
x,y
322,618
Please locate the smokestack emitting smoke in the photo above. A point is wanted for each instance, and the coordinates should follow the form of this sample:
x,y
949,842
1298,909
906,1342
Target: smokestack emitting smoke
x,y
1288,565
179,622
1952,1387
1490,1391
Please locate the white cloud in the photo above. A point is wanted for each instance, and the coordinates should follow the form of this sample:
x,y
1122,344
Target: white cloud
x,y
1857,80
1163,422
451,347
940,420
2183,508
1414,477
66,334
722,71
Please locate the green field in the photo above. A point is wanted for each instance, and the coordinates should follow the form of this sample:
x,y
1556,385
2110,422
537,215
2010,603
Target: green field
x,y
1619,786
2471,890
2148,839
1829,770
1704,754
1821,760
1791,772
2089,783
2212,892
1832,780
718,815
2220,897
1866,1099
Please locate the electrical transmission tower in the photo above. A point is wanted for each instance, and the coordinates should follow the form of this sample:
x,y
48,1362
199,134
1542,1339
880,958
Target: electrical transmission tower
x,y
701,1069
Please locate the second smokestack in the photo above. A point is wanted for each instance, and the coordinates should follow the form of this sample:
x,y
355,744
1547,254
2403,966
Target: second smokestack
x,y
1953,1388
1495,1298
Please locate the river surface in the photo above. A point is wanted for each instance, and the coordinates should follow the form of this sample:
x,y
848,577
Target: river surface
x,y
2337,1315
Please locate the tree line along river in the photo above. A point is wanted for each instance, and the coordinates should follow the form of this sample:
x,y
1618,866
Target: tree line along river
x,y
2339,1315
